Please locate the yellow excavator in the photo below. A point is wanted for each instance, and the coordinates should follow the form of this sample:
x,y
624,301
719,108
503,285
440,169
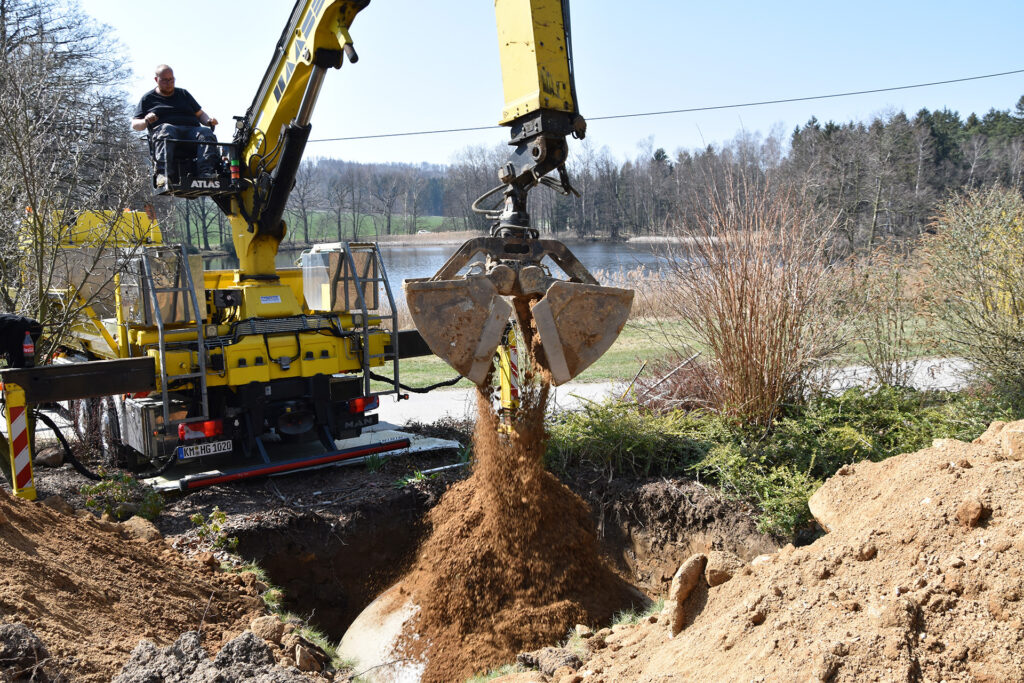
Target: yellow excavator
x,y
462,310
240,353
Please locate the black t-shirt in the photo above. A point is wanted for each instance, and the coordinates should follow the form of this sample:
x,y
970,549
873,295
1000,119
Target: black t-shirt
x,y
179,108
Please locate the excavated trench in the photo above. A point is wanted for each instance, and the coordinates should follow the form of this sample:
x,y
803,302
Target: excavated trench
x,y
332,563
331,567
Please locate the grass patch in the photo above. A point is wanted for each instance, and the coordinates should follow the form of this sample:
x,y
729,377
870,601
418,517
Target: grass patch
x,y
497,673
776,470
635,616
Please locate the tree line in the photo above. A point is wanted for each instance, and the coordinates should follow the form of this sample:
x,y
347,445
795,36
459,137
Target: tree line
x,y
881,179
65,144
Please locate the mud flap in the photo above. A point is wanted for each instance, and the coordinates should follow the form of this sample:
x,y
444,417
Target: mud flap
x,y
577,323
461,320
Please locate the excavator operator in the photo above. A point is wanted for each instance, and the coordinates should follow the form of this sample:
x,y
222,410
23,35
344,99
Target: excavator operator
x,y
172,113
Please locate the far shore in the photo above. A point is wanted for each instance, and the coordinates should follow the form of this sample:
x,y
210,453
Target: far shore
x,y
458,237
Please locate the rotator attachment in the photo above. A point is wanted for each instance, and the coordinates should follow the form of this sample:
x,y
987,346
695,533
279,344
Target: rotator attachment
x,y
569,324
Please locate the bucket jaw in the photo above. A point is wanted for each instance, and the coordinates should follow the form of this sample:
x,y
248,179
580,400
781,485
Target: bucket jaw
x,y
461,321
576,324
568,324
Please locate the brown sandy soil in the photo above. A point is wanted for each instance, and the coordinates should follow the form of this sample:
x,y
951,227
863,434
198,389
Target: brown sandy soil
x,y
90,591
920,578
512,560
332,539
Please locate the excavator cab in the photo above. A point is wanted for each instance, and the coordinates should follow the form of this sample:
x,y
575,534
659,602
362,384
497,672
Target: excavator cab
x,y
568,320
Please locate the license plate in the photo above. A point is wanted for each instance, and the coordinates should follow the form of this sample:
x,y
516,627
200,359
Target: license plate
x,y
203,449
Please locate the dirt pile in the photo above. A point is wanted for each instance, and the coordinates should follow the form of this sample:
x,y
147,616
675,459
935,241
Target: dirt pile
x,y
512,561
919,578
91,590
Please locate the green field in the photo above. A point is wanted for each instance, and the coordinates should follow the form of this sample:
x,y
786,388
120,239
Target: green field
x,y
323,228
638,342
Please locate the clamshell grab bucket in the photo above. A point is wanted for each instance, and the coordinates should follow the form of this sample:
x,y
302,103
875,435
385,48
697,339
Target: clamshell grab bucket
x,y
461,321
577,323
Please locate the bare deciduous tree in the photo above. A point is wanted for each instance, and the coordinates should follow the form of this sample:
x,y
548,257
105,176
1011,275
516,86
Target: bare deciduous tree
x,y
65,147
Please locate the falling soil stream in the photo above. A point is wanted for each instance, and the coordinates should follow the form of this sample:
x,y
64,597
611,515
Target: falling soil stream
x,y
512,561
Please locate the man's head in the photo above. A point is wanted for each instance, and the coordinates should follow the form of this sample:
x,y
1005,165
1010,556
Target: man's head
x,y
164,78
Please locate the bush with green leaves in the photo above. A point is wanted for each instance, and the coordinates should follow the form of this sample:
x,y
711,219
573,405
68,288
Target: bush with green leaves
x,y
121,496
626,438
211,530
776,469
873,425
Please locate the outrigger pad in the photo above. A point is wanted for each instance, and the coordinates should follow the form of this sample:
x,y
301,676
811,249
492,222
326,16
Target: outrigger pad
x,y
577,323
461,320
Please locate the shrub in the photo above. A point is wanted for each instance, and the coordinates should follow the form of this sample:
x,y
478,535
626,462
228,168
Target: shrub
x,y
623,438
888,301
121,496
977,257
776,469
832,431
758,293
211,529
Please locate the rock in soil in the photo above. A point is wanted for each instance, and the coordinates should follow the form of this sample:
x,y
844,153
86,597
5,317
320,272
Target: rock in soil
x,y
549,659
721,567
23,657
246,658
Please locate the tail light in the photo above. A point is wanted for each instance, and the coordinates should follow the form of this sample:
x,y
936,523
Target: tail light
x,y
361,405
200,430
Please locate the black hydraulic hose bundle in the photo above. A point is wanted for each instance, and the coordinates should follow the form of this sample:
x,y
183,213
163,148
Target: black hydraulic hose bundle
x,y
68,455
416,390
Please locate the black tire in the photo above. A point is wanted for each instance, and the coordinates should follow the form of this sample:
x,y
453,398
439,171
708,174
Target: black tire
x,y
115,453
84,420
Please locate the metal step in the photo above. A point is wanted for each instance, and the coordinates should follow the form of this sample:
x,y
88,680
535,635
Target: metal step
x,y
373,250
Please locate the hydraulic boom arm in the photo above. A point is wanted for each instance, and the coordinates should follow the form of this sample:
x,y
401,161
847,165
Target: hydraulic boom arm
x,y
567,324
272,135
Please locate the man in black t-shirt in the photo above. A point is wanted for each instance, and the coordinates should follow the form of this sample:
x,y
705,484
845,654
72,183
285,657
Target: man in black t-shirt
x,y
170,112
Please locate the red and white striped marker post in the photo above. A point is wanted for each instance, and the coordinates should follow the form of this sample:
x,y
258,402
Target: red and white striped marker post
x,y
20,443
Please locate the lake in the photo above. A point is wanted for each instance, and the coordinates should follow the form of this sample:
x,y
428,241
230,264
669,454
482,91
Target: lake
x,y
404,261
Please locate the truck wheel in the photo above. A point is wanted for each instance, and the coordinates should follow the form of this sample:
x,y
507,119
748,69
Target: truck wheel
x,y
84,419
115,453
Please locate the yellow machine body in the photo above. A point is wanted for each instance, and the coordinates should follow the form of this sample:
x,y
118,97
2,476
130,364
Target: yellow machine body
x,y
535,70
316,26
109,228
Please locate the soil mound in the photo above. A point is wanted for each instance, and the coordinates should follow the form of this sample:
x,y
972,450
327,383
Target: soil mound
x,y
90,590
919,578
513,560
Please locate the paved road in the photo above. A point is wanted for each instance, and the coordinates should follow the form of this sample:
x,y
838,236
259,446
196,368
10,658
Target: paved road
x,y
459,404
940,373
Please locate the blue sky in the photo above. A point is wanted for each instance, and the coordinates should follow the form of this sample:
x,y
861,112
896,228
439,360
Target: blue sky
x,y
430,65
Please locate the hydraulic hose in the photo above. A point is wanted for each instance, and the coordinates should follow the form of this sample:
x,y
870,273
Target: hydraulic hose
x,y
416,390
68,455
